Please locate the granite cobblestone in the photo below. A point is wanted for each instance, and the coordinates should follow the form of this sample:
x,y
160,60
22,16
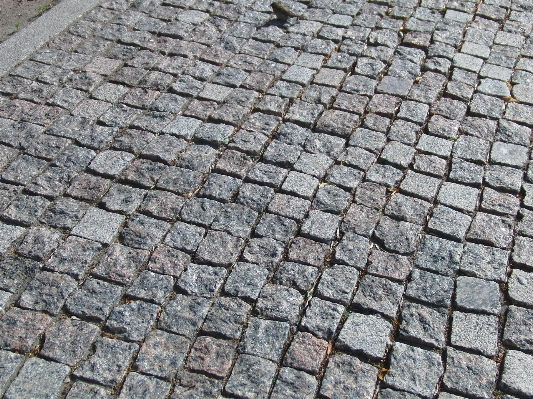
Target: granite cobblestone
x,y
270,199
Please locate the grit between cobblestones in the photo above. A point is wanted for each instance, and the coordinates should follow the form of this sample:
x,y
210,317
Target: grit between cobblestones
x,y
246,199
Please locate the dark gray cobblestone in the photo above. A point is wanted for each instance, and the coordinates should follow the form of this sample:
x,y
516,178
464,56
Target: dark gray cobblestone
x,y
254,199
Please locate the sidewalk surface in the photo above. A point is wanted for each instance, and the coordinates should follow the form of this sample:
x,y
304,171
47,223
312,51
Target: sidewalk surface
x,y
233,199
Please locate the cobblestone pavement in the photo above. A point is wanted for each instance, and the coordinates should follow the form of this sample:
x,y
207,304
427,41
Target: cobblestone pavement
x,y
228,199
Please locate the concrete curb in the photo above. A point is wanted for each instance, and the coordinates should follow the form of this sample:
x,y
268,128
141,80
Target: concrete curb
x,y
22,44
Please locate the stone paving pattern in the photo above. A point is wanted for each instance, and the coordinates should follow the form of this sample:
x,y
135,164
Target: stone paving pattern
x,y
233,199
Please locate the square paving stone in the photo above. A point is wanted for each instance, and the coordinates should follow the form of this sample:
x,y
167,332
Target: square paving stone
x,y
294,384
199,158
322,318
397,154
393,266
20,329
184,236
458,196
337,283
365,334
220,187
420,186
68,341
184,315
162,205
295,275
144,173
477,295
181,181
216,134
235,219
414,111
517,373
201,280
307,251
466,172
219,248
211,356
443,127
122,198
313,164
469,374
111,163
25,210
277,227
471,148
368,139
132,321
23,169
234,163
252,376
139,385
360,220
200,211
522,252
226,318
424,325
108,365
281,154
449,223
378,294
486,106
352,250
336,122
485,262
371,195
265,252
355,156
330,198
397,236
430,288
264,338
246,280
509,154
82,390
164,148
143,232
193,385
279,303
94,299
502,203
492,230
121,263
267,174
99,225
321,143
406,374
321,226
306,353
476,332
407,208
161,354
289,206
39,243
517,327
38,378
151,287
520,287
347,376
47,292
182,127
11,363
503,178
439,255
384,174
